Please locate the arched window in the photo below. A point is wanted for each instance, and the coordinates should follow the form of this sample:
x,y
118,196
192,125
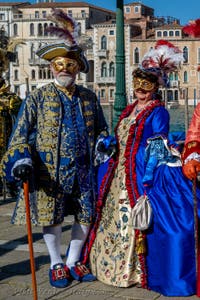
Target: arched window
x,y
49,75
165,33
33,74
171,76
15,29
112,69
45,31
31,29
51,24
159,33
44,74
185,54
103,42
176,76
136,56
103,70
40,74
171,33
177,33
185,76
40,29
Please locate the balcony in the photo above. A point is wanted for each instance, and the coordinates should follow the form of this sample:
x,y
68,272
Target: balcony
x,y
174,83
105,80
103,53
37,61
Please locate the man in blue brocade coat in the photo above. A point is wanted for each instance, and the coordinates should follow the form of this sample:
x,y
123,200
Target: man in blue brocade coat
x,y
53,145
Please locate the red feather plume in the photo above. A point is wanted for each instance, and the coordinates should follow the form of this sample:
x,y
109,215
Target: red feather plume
x,y
193,28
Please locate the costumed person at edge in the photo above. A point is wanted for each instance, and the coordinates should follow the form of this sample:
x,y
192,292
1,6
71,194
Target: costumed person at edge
x,y
146,164
191,151
54,142
9,103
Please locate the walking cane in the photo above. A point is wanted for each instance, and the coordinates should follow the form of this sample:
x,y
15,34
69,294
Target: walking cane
x,y
30,240
197,250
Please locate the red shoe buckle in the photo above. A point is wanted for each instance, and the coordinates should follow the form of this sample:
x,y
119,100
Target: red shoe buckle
x,y
60,273
81,270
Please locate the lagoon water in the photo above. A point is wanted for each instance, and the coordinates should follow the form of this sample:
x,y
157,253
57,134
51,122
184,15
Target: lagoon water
x,y
177,117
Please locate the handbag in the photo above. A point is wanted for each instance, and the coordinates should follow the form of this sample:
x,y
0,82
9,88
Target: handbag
x,y
142,213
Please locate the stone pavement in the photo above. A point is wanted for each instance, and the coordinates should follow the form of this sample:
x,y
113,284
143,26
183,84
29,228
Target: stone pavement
x,y
15,275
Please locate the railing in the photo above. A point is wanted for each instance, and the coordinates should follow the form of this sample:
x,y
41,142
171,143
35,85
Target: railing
x,y
105,79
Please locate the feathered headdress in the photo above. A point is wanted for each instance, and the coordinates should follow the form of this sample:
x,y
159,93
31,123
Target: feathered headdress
x,y
162,60
193,28
68,29
71,44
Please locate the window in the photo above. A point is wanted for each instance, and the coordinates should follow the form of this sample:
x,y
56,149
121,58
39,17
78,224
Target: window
x,y
198,74
159,33
70,13
16,75
112,69
16,89
103,93
44,14
185,77
136,56
198,56
177,33
136,9
103,70
45,31
37,14
15,29
31,29
33,75
176,76
40,74
2,17
32,51
49,74
185,54
127,10
40,29
111,32
165,33
83,14
103,42
112,93
171,33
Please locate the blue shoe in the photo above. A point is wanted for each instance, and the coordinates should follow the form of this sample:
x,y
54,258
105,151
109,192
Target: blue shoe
x,y
81,273
59,276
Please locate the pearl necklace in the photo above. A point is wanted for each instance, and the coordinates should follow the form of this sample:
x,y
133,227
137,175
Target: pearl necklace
x,y
138,110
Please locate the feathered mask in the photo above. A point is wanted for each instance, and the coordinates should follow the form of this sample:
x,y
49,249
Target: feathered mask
x,y
193,28
162,60
68,29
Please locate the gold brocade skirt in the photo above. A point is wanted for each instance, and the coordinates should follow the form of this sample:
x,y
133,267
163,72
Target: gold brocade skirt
x,y
113,257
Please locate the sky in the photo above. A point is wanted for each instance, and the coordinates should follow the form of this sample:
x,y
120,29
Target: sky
x,y
184,10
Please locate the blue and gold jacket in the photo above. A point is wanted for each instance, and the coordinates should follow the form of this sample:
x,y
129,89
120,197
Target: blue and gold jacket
x,y
38,134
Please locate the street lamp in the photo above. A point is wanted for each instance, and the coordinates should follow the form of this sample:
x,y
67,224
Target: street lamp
x,y
120,94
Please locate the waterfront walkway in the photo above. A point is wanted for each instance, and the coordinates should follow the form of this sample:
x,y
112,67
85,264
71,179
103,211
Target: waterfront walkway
x,y
15,276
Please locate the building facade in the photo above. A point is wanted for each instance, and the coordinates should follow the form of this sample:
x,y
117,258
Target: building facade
x,y
26,22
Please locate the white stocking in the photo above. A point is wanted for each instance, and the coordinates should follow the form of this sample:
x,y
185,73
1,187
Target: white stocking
x,y
78,238
52,238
